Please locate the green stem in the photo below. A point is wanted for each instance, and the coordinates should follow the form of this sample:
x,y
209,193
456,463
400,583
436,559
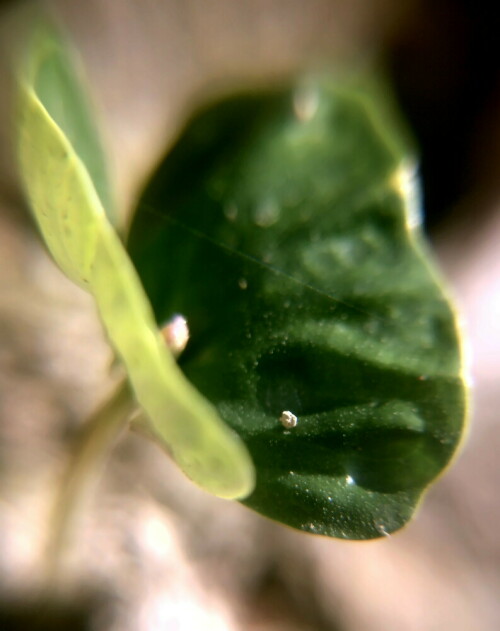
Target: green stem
x,y
86,464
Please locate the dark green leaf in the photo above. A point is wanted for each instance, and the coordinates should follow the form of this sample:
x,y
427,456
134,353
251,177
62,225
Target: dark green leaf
x,y
280,226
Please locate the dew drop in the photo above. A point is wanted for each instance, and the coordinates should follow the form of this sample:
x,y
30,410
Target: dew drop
x,y
266,213
305,103
349,480
231,211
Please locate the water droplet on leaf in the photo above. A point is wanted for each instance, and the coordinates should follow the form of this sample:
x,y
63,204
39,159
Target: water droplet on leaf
x,y
305,103
266,213
231,211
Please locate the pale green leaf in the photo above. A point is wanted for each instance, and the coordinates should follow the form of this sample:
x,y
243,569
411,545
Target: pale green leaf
x,y
77,232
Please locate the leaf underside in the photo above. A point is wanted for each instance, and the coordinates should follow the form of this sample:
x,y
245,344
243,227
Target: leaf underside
x,y
282,227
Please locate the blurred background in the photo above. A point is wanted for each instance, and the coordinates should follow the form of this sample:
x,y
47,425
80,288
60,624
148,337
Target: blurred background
x,y
152,552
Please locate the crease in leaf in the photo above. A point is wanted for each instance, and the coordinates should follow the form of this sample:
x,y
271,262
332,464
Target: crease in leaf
x,y
70,214
308,287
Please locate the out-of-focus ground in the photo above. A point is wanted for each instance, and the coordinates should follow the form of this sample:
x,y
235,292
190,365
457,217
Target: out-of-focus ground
x,y
152,551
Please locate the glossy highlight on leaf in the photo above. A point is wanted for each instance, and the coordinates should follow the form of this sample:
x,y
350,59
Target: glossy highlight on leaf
x,y
69,211
288,221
